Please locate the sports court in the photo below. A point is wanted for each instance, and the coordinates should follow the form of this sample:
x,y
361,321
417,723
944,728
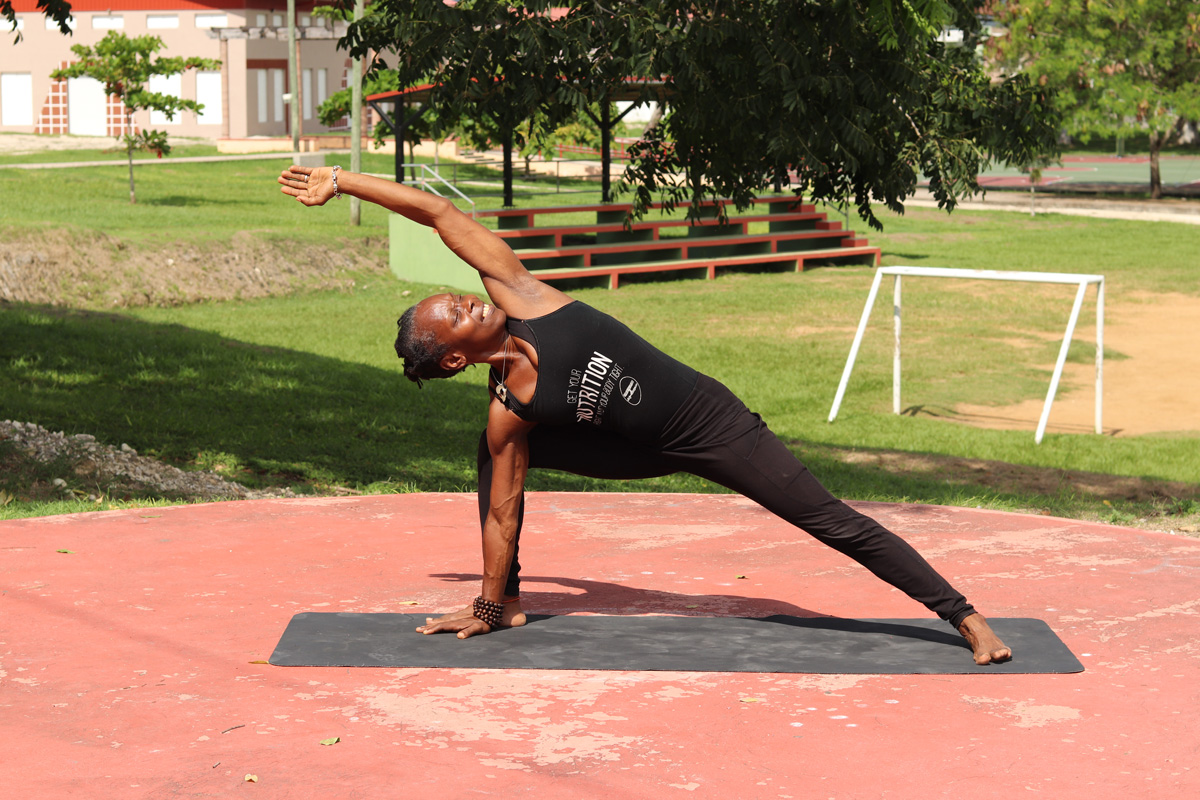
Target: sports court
x,y
134,646
1090,173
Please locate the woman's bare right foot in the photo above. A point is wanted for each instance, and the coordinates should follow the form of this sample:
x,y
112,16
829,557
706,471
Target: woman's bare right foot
x,y
985,644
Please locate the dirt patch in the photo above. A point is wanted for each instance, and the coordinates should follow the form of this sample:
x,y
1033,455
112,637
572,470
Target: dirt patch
x,y
1149,503
28,143
94,270
1152,390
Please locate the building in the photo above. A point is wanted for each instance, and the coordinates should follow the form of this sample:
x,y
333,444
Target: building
x,y
248,97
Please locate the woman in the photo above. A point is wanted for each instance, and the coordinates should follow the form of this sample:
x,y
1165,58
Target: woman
x,y
573,389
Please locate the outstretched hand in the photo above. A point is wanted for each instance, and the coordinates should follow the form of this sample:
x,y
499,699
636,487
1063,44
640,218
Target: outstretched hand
x,y
312,186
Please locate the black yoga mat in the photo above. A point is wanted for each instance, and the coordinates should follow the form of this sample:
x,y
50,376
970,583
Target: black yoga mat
x,y
690,644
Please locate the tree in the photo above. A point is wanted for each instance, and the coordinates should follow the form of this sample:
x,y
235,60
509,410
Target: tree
x,y
857,97
495,62
125,65
1121,66
57,10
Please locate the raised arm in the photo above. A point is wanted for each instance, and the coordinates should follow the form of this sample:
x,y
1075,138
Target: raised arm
x,y
504,277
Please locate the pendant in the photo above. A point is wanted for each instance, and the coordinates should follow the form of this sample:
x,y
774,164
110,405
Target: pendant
x,y
502,392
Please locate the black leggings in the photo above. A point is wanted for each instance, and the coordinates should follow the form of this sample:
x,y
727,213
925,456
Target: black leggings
x,y
715,436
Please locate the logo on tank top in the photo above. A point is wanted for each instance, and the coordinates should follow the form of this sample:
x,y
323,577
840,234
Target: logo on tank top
x,y
631,390
589,389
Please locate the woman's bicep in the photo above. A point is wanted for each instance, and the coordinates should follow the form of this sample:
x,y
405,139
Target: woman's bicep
x,y
480,248
505,279
508,443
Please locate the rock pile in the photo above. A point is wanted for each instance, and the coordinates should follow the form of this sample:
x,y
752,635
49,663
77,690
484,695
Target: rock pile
x,y
121,468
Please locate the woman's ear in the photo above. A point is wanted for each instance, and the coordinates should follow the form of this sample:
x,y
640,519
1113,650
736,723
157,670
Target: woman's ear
x,y
454,360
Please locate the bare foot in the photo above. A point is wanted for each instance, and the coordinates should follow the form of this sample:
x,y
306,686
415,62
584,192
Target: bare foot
x,y
984,642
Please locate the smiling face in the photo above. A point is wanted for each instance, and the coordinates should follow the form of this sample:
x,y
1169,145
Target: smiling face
x,y
469,328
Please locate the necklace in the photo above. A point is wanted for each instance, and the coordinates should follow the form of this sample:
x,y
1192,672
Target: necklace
x,y
501,389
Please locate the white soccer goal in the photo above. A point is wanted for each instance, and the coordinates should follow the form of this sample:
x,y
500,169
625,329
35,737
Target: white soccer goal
x,y
1083,281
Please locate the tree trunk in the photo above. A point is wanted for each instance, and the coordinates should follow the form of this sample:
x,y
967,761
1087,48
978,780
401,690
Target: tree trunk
x,y
655,117
1156,143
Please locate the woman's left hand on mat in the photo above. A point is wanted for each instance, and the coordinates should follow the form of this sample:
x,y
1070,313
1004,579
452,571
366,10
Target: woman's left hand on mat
x,y
464,627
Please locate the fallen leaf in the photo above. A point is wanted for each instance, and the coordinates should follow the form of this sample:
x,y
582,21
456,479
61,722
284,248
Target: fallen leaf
x,y
691,606
260,662
72,552
408,603
251,778
751,700
328,742
740,577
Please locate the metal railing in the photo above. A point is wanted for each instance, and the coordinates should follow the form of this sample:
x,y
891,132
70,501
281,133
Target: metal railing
x,y
427,179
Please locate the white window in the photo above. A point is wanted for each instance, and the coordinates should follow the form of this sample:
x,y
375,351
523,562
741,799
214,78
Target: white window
x,y
305,21
16,98
108,22
165,84
51,25
277,20
159,22
322,86
260,20
307,83
212,20
277,93
208,93
262,94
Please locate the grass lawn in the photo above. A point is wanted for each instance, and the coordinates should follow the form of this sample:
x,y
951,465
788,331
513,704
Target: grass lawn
x,y
306,391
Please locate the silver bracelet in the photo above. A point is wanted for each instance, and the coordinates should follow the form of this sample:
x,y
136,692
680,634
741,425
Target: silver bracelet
x,y
336,194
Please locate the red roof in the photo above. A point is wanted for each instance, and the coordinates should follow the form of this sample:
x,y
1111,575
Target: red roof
x,y
105,6
634,88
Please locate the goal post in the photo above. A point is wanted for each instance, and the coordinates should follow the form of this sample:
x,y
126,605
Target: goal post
x,y
897,273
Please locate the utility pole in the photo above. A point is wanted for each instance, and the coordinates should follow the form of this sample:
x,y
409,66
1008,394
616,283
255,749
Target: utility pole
x,y
293,77
356,121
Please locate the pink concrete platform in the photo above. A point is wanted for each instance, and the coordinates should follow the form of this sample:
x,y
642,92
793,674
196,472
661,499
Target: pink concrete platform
x,y
131,667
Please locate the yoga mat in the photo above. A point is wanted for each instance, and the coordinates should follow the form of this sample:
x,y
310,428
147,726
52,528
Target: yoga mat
x,y
689,644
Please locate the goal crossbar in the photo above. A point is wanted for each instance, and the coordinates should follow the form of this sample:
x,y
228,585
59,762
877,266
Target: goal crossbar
x,y
1082,281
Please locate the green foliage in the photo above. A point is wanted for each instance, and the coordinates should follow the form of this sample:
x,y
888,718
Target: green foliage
x,y
337,105
59,11
856,97
1121,67
125,66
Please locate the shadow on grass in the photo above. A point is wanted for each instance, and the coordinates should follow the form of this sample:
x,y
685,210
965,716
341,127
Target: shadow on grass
x,y
193,397
186,201
262,416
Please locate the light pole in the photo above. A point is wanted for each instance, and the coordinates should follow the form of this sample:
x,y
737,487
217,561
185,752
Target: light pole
x,y
356,121
293,78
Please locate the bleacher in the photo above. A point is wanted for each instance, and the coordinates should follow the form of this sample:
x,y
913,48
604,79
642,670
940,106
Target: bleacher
x,y
778,234
606,252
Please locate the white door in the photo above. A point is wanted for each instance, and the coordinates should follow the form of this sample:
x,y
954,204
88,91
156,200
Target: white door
x,y
16,98
208,94
171,85
87,107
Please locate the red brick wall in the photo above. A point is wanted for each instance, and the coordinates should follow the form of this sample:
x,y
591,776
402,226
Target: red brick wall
x,y
53,118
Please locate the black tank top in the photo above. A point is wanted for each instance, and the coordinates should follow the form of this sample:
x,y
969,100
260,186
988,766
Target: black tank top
x,y
593,370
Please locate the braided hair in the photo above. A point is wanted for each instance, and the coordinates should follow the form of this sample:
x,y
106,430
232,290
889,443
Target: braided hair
x,y
421,350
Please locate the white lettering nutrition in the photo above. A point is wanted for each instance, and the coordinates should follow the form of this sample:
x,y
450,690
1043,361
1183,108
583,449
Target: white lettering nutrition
x,y
591,384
